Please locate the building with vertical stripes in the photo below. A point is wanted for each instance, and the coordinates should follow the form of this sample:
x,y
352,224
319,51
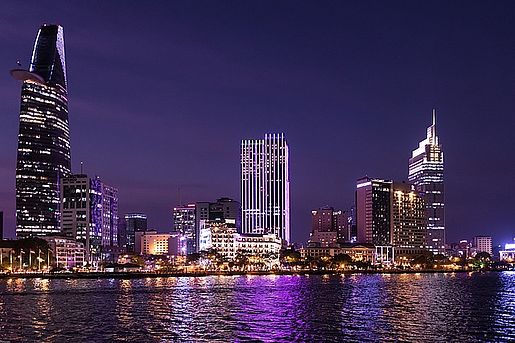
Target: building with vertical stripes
x,y
265,186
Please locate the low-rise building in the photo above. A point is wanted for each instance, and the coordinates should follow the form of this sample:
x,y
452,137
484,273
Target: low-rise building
x,y
68,253
358,252
508,254
265,245
222,237
152,243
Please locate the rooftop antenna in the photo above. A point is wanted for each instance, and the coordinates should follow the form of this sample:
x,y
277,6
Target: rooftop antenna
x,y
81,166
18,63
434,117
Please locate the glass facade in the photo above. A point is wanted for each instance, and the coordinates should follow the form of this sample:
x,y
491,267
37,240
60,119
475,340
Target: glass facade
x,y
89,214
184,223
43,157
373,203
134,222
426,172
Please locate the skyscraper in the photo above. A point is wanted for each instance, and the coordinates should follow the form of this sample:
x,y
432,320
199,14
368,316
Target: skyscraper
x,y
265,186
426,172
44,139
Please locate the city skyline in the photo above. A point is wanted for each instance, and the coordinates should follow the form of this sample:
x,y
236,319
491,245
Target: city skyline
x,y
314,145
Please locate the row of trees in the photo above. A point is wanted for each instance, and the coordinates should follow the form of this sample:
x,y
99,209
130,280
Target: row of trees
x,y
291,258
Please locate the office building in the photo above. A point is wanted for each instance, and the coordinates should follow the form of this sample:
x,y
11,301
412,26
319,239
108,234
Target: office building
x,y
90,214
184,223
426,172
373,211
390,213
43,157
483,244
328,226
265,186
109,216
132,223
408,217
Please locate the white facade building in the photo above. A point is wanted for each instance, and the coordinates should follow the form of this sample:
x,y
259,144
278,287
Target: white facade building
x,y
265,186
68,253
228,243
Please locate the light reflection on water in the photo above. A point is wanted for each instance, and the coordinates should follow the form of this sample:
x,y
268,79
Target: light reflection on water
x,y
395,307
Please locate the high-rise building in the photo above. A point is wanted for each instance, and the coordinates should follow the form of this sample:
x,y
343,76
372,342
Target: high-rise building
x,y
265,186
328,226
184,223
133,222
109,216
187,218
81,208
408,217
373,211
426,172
44,139
390,213
90,214
483,244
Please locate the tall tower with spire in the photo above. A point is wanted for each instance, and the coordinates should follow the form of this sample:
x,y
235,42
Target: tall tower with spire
x,y
426,172
44,139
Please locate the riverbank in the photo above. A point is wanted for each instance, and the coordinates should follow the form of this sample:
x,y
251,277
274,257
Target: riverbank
x,y
143,275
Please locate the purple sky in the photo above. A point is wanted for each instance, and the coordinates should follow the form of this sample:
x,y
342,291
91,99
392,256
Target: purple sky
x,y
160,96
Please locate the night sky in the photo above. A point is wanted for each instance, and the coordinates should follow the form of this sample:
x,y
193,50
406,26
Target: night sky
x,y
161,94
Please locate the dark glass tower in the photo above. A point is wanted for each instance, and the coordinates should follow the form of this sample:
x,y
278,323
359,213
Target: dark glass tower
x,y
135,222
44,138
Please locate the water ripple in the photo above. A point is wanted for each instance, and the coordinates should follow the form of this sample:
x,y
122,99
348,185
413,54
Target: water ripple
x,y
354,308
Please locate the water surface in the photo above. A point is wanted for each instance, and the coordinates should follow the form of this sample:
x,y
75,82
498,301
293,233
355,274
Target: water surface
x,y
361,308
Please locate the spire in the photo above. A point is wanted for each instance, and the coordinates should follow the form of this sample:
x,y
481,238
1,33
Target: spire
x,y
431,131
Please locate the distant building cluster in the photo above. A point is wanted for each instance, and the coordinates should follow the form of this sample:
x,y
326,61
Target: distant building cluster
x,y
78,215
